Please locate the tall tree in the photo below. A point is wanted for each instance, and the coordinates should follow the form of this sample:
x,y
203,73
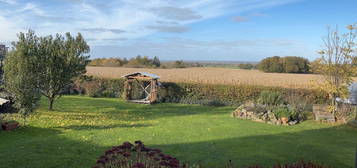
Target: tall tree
x,y
20,77
60,60
156,62
336,63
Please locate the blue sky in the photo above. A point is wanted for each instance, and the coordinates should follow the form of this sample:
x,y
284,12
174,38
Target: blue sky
x,y
229,30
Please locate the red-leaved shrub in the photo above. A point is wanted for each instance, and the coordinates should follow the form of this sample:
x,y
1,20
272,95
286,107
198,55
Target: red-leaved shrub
x,y
137,155
128,155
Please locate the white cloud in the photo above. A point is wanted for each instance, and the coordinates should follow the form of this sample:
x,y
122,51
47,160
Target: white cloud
x,y
117,19
32,8
240,19
188,49
169,29
11,2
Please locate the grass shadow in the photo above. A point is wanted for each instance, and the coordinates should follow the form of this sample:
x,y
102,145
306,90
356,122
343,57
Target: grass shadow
x,y
34,147
103,127
322,146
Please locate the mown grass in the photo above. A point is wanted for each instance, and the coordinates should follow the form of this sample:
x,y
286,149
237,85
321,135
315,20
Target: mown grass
x,y
82,128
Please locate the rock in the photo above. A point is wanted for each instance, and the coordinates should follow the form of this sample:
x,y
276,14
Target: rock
x,y
292,122
271,116
3,101
260,113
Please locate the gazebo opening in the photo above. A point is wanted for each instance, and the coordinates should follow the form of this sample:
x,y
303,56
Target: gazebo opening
x,y
143,84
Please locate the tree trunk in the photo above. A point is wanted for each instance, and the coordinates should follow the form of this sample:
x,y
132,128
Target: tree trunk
x,y
334,104
51,101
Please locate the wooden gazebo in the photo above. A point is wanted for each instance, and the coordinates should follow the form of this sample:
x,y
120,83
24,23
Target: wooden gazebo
x,y
150,90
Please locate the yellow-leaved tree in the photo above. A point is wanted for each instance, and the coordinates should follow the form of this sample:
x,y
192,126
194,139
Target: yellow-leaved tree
x,y
339,50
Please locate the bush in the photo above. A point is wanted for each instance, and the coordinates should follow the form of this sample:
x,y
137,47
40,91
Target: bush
x,y
270,98
195,93
213,102
299,107
282,111
128,155
284,65
92,88
230,94
96,87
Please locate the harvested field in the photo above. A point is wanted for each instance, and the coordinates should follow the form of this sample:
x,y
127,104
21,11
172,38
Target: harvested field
x,y
215,76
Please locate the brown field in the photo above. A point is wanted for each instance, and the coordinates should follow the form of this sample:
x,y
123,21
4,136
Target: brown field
x,y
215,76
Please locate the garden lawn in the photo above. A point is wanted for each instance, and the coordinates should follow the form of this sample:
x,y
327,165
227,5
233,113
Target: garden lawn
x,y
82,128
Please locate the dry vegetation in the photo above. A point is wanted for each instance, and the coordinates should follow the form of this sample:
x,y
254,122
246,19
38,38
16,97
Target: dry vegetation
x,y
215,76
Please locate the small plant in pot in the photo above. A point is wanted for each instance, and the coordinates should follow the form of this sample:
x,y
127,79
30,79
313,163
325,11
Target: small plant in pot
x,y
9,125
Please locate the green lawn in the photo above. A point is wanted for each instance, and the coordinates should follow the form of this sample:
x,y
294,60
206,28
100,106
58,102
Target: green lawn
x,y
82,128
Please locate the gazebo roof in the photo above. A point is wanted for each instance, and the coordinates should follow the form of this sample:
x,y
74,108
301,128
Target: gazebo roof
x,y
141,75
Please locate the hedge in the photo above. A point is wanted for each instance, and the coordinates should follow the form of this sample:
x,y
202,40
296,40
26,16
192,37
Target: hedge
x,y
193,93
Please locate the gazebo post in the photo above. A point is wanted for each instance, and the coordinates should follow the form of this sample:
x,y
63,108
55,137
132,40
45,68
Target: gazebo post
x,y
153,93
128,88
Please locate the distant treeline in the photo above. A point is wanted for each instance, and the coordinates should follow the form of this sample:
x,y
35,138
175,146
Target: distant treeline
x,y
275,64
140,62
290,64
229,65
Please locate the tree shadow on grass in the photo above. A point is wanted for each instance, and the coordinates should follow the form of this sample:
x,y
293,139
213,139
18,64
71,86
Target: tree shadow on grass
x,y
103,127
331,146
33,147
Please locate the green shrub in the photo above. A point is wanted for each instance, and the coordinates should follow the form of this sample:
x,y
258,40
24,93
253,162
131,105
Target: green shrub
x,y
96,87
213,102
270,98
282,111
195,93
298,106
92,88
289,112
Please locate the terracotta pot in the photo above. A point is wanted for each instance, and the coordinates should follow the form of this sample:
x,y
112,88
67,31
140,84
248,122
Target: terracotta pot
x,y
284,120
9,126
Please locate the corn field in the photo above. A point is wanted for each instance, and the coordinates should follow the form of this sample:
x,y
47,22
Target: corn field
x,y
216,76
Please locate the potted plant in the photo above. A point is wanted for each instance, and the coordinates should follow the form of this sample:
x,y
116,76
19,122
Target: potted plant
x,y
9,125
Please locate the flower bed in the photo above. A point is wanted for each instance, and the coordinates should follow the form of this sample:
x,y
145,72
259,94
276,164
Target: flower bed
x,y
272,108
262,113
128,155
